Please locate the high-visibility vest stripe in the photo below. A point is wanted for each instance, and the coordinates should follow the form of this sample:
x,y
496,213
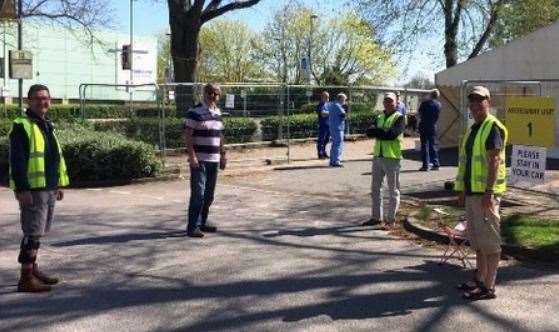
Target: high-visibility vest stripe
x,y
388,148
479,169
36,163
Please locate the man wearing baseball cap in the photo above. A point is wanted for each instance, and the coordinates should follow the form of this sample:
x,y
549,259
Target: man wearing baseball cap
x,y
481,181
388,132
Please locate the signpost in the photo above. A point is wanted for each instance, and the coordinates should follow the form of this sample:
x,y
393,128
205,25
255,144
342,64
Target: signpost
x,y
21,65
531,124
531,120
229,101
528,164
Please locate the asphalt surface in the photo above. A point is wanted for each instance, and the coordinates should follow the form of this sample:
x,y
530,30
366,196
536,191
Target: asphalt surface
x,y
289,256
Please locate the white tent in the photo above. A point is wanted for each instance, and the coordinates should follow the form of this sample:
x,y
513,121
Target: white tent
x,y
530,61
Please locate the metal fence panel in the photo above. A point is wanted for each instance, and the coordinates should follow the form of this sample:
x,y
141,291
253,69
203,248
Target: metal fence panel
x,y
270,114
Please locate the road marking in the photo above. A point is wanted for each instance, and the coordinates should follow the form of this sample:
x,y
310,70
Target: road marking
x,y
120,192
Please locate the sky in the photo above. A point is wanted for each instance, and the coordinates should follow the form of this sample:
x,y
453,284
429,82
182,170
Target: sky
x,y
151,18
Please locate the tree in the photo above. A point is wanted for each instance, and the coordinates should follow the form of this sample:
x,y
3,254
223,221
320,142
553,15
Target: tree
x,y
465,25
419,81
522,17
227,53
186,18
85,14
343,49
351,54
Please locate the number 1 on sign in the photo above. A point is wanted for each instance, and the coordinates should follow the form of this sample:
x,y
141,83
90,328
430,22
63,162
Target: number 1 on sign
x,y
529,128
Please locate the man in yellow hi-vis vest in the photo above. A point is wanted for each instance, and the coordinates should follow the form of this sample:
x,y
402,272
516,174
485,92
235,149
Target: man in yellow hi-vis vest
x,y
37,172
481,181
388,133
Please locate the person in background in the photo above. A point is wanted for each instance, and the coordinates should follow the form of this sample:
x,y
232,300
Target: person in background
x,y
388,132
336,122
400,106
429,111
323,127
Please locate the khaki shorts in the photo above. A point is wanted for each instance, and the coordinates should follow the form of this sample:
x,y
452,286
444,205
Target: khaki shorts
x,y
37,219
484,227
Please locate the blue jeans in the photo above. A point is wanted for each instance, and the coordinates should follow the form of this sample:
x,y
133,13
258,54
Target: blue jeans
x,y
337,146
323,138
429,150
202,187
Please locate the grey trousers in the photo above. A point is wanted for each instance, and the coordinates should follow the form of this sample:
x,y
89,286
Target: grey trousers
x,y
36,220
389,168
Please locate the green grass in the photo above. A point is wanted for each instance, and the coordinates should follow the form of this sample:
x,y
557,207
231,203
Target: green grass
x,y
531,232
539,233
425,213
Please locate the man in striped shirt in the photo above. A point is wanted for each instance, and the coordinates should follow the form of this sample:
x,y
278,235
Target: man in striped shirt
x,y
204,142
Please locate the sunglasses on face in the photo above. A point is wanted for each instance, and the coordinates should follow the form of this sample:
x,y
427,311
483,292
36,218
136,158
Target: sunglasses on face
x,y
41,98
476,98
214,93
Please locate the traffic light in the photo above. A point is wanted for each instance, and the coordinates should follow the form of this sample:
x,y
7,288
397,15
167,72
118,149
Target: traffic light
x,y
126,57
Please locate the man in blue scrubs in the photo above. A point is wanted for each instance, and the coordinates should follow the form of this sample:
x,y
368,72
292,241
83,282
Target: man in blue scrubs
x,y
323,128
336,121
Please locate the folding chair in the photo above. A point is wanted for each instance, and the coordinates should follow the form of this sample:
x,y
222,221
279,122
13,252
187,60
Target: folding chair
x,y
456,247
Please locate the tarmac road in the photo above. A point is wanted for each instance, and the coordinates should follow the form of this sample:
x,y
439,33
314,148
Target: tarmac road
x,y
289,256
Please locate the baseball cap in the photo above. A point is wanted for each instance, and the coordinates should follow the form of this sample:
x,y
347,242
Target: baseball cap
x,y
390,95
480,91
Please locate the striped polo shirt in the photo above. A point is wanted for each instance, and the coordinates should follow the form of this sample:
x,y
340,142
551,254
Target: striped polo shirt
x,y
207,125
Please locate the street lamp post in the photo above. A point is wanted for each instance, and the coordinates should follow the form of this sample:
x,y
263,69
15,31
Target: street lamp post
x,y
312,18
131,80
19,47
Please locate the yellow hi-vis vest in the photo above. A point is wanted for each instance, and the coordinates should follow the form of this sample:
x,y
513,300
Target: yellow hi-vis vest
x,y
36,163
479,169
390,148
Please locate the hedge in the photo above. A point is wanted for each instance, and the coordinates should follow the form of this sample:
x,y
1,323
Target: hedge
x,y
237,130
305,125
354,108
72,112
96,156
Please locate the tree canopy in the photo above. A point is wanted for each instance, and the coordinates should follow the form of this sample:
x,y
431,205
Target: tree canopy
x,y
522,17
464,26
342,49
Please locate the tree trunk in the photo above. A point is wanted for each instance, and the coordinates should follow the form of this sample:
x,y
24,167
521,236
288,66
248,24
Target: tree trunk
x,y
185,30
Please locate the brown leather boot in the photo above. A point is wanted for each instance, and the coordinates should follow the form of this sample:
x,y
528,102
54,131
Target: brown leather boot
x,y
29,283
43,277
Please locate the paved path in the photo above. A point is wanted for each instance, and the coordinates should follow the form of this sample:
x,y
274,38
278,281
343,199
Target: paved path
x,y
289,256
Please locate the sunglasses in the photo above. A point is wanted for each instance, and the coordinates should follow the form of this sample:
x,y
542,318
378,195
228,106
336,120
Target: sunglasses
x,y
475,98
214,93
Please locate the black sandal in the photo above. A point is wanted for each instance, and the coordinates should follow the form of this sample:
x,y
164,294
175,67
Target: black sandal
x,y
480,293
470,285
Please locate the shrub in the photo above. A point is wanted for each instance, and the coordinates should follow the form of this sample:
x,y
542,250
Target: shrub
x,y
5,127
300,125
237,130
305,125
95,156
4,166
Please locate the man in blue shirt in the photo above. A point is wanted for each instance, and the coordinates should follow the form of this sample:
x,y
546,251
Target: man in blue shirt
x,y
336,121
428,112
400,106
323,128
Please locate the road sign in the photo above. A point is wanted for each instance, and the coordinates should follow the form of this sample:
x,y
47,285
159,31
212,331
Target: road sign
x,y
126,57
306,69
528,164
531,120
21,64
229,101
